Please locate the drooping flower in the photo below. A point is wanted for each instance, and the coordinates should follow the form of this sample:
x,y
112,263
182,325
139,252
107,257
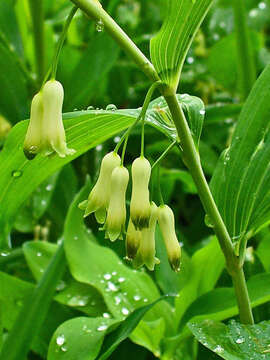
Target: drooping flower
x,y
46,133
167,226
53,129
147,250
116,217
133,240
33,139
140,204
99,197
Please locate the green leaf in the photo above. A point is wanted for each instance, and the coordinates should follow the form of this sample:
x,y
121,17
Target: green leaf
x,y
170,46
126,328
123,289
234,341
193,107
13,91
94,65
82,297
34,311
241,181
203,275
84,130
82,335
220,303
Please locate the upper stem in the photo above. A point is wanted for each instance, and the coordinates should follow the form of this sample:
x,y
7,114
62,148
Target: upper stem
x,y
246,61
95,11
37,13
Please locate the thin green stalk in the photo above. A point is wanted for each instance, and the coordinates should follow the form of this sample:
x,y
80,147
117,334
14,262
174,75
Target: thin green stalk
x,y
159,187
192,160
142,137
61,41
124,151
37,14
246,60
162,156
141,116
95,11
34,311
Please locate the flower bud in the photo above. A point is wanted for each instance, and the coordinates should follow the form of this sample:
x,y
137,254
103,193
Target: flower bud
x,y
133,240
147,249
98,200
166,223
53,129
33,139
140,204
116,217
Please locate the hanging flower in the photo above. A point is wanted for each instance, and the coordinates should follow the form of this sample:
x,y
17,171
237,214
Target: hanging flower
x,y
140,204
133,240
98,200
147,249
166,223
116,218
33,139
46,133
53,129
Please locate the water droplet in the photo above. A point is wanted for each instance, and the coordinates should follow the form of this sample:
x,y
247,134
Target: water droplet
x,y
218,349
202,112
208,221
111,107
39,254
114,273
111,287
4,253
117,300
64,348
117,139
240,340
16,173
102,328
262,5
145,300
190,60
99,148
49,187
78,300
99,26
106,315
253,13
121,279
61,285
75,237
137,297
90,108
125,311
60,340
107,276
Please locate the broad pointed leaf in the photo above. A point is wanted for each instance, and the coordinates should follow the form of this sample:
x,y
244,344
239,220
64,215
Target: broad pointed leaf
x,y
170,46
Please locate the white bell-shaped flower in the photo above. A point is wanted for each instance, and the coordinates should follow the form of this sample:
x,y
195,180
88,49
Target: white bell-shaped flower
x,y
133,240
99,197
147,250
140,204
54,137
33,139
116,217
167,226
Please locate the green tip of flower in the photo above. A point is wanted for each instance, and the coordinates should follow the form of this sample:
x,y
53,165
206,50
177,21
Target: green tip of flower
x,y
100,215
131,249
113,235
29,154
83,205
140,223
175,264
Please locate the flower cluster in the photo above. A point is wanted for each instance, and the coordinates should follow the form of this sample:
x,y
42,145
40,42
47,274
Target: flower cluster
x,y
108,201
46,133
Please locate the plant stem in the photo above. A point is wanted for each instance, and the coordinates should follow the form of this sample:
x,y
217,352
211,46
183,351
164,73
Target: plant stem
x,y
190,153
192,160
61,41
240,287
162,156
246,61
11,256
95,11
37,13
